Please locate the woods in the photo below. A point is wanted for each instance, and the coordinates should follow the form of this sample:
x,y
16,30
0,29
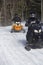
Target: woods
x,y
22,7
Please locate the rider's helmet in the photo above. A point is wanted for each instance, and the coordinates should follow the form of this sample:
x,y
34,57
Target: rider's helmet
x,y
32,14
16,15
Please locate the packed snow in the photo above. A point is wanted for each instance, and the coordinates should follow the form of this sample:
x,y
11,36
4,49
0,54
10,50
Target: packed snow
x,y
12,51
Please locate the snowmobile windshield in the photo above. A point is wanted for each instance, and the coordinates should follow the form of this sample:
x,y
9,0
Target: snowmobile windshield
x,y
37,27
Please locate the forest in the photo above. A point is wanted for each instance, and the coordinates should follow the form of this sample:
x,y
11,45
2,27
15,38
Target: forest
x,y
22,7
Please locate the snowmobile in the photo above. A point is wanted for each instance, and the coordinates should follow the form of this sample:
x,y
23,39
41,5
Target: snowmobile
x,y
17,27
34,35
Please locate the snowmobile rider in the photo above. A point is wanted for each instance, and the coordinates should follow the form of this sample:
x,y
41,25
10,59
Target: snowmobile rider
x,y
37,22
32,17
16,18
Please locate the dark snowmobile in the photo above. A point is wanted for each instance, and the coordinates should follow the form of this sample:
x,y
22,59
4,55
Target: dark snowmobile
x,y
34,35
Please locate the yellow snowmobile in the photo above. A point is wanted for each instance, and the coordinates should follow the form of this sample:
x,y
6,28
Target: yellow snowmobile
x,y
16,27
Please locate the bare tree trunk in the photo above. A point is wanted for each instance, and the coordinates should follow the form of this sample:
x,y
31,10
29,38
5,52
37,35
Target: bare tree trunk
x,y
42,10
22,9
4,1
12,10
0,18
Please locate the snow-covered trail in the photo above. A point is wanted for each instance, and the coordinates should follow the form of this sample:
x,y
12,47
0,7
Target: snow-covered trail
x,y
12,51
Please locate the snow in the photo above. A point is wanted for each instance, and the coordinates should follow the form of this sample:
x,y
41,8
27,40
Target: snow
x,y
12,51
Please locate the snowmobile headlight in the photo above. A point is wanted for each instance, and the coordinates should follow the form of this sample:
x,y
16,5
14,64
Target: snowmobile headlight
x,y
16,22
39,30
19,22
36,31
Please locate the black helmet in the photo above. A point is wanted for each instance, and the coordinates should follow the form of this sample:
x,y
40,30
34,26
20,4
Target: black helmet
x,y
32,14
16,14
